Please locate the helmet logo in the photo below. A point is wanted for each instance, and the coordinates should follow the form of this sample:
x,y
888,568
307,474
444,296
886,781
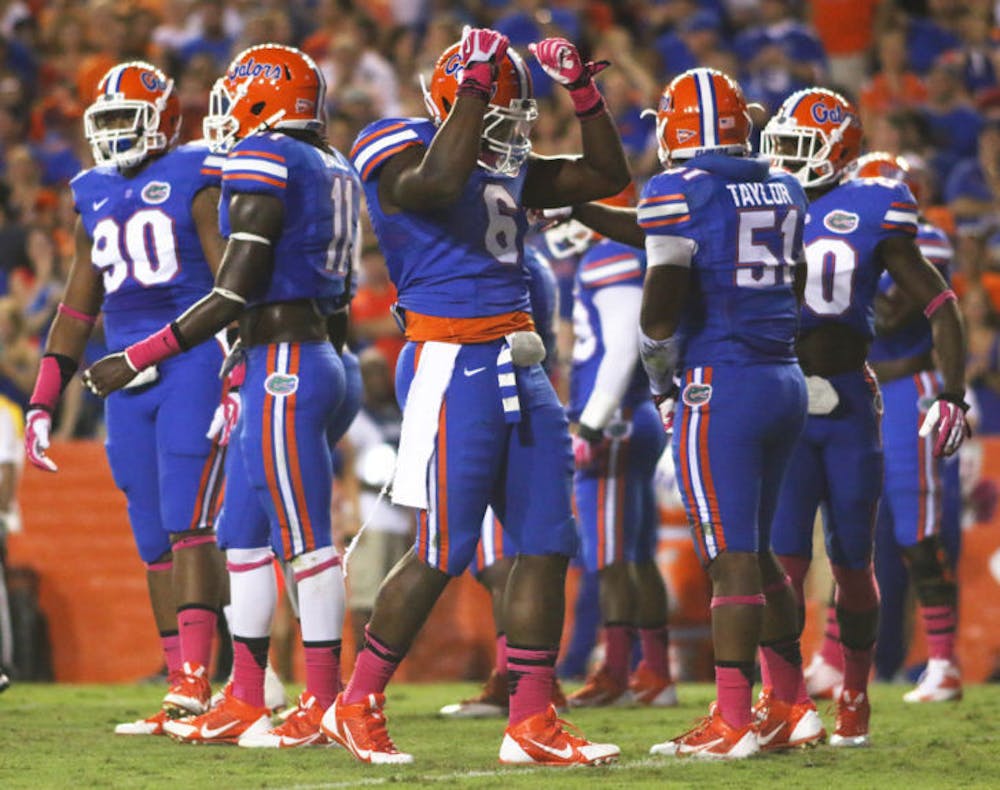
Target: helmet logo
x,y
683,135
251,68
151,81
453,65
821,113
304,105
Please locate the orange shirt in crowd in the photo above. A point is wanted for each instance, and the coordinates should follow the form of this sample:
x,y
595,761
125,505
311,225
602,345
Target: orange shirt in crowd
x,y
844,26
370,304
878,96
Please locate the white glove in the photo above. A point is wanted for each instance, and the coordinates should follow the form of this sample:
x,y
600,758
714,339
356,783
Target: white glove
x,y
37,425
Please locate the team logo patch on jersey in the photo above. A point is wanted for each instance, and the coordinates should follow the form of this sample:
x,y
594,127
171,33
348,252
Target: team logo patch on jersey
x,y
155,192
841,221
696,394
281,384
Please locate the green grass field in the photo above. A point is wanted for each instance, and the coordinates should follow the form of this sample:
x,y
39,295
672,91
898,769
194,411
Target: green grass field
x,y
54,736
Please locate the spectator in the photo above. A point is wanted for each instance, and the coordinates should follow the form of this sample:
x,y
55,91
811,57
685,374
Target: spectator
x,y
931,36
212,39
846,29
983,364
974,184
894,87
352,64
978,50
953,121
372,321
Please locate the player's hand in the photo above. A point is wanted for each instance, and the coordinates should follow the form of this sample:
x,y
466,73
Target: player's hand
x,y
108,375
37,425
946,416
589,447
545,218
666,405
227,414
561,60
482,45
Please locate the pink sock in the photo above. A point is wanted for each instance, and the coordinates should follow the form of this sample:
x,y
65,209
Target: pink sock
x,y
732,686
249,662
170,642
857,668
655,643
781,663
830,649
196,625
939,625
531,674
501,655
372,670
323,671
617,647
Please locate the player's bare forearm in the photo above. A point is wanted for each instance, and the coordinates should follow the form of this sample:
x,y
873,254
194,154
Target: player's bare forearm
x,y
614,222
205,211
81,300
663,295
949,344
602,171
437,178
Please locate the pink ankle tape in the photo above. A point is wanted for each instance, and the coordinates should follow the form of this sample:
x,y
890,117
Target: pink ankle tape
x,y
69,312
938,301
778,586
166,565
587,100
738,600
153,349
243,567
305,574
192,541
48,385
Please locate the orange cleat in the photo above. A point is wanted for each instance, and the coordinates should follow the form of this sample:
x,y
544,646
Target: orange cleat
x,y
652,689
712,739
227,722
190,692
853,713
152,725
543,740
782,725
599,690
361,729
301,727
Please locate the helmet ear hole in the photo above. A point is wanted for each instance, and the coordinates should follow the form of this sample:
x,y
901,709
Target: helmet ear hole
x,y
447,105
257,108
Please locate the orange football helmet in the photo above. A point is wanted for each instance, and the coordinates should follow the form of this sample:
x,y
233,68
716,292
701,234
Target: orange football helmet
x,y
881,164
815,135
135,114
511,113
269,86
702,110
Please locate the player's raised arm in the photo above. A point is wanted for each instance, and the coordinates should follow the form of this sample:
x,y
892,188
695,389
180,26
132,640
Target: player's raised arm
x,y
418,178
615,222
603,169
64,347
922,283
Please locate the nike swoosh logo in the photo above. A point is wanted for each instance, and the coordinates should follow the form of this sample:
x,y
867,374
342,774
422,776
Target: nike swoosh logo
x,y
705,746
98,203
764,739
475,371
563,754
208,733
361,754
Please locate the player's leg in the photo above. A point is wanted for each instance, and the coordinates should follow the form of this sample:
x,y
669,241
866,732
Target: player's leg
x,y
914,484
651,683
534,507
131,450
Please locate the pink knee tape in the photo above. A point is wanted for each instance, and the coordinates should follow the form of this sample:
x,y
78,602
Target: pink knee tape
x,y
306,573
191,541
737,600
243,567
160,566
857,590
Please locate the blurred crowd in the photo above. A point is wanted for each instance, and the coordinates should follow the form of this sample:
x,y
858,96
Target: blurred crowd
x,y
923,74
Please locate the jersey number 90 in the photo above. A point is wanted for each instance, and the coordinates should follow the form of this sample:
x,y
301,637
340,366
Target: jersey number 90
x,y
144,245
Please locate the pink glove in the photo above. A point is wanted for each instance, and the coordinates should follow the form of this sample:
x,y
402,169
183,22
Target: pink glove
x,y
227,414
481,50
666,405
589,447
37,425
947,417
561,60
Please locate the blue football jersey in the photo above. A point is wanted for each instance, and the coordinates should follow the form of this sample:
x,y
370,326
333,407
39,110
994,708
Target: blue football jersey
x,y
746,222
843,228
321,236
915,338
544,293
144,239
461,261
607,264
562,245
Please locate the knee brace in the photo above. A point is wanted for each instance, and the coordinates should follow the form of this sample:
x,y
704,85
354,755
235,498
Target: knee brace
x,y
929,569
857,606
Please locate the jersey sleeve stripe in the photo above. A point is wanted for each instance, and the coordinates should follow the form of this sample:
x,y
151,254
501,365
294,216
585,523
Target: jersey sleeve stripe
x,y
629,268
211,171
661,222
665,210
386,155
904,217
906,206
625,256
616,278
255,166
260,154
229,177
216,162
366,155
663,198
377,133
910,229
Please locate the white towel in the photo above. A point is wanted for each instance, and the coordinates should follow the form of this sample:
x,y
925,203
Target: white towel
x,y
420,423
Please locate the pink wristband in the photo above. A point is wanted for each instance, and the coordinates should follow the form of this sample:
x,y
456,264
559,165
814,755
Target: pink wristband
x,y
477,80
69,312
587,101
935,304
153,349
48,385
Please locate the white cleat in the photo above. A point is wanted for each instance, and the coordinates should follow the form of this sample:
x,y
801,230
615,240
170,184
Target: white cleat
x,y
940,682
823,680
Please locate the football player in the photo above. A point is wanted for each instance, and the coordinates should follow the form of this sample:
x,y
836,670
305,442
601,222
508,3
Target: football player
x,y
147,246
912,497
616,445
856,229
481,424
290,212
723,236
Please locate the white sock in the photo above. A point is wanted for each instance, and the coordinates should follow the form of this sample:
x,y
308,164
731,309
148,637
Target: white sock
x,y
252,591
320,581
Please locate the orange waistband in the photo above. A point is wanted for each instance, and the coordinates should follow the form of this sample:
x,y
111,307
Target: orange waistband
x,y
421,328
